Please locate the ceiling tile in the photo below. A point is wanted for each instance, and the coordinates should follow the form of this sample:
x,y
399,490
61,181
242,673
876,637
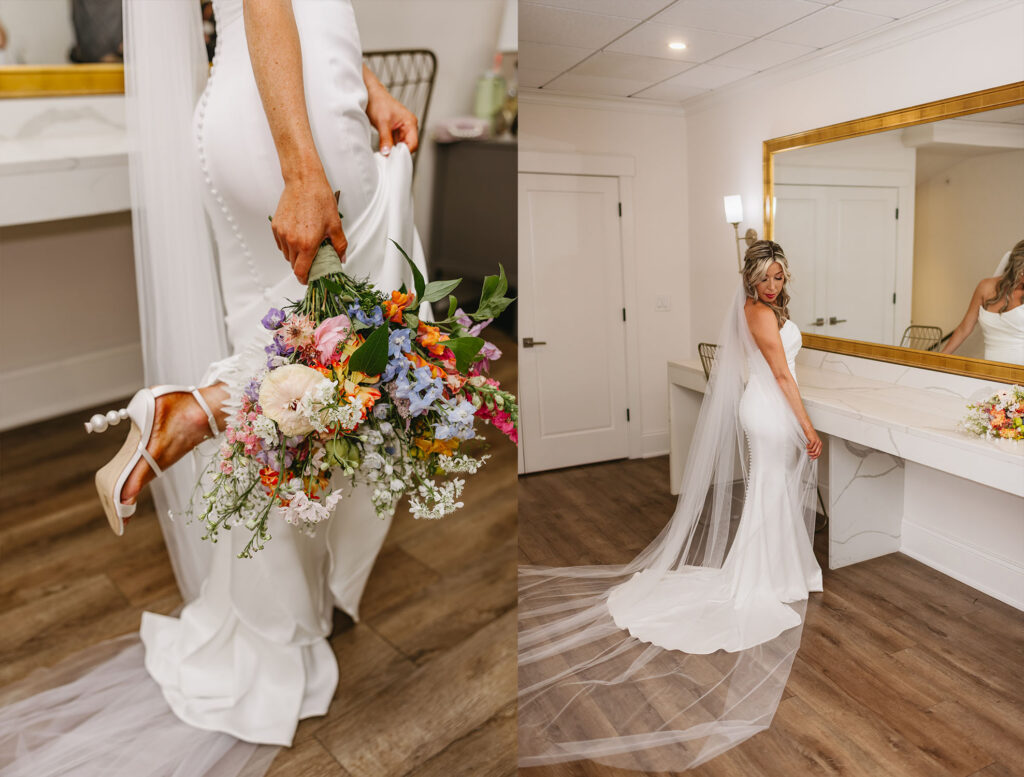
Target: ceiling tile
x,y
544,24
669,91
893,8
628,9
544,56
596,85
710,76
530,78
739,17
827,26
651,40
630,67
762,54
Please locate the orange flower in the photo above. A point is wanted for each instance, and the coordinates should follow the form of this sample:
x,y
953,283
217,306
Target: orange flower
x,y
444,447
431,337
346,353
268,478
327,372
394,307
419,361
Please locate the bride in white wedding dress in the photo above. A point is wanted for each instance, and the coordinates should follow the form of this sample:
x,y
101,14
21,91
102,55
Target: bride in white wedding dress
x,y
276,130
667,661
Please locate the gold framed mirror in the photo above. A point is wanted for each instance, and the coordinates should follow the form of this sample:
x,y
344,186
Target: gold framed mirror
x,y
61,80
887,133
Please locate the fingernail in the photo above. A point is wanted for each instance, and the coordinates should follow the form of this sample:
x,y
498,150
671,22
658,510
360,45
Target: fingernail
x,y
385,151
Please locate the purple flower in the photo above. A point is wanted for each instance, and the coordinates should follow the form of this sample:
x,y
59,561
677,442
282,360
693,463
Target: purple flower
x,y
472,330
273,319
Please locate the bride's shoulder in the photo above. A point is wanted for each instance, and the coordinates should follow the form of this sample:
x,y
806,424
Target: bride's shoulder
x,y
756,314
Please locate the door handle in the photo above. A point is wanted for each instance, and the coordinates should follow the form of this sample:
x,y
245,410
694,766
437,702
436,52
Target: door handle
x,y
529,342
833,320
817,322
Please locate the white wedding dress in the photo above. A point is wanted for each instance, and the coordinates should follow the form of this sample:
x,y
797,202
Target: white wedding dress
x,y
1004,334
248,656
744,602
660,664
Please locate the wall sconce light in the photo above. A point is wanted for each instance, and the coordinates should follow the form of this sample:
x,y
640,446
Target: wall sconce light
x,y
734,215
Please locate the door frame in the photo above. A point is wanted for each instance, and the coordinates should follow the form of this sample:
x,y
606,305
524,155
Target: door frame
x,y
623,168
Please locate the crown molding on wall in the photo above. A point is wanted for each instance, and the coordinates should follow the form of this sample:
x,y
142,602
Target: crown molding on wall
x,y
623,104
924,23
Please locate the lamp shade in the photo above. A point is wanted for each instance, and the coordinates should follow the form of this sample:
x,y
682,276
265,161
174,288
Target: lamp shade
x,y
733,208
509,34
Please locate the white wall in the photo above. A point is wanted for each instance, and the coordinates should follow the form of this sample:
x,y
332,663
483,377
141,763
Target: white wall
x,y
463,34
656,140
968,216
39,31
724,132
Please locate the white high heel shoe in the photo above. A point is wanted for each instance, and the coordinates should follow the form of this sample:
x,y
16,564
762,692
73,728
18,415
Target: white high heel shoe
x,y
141,410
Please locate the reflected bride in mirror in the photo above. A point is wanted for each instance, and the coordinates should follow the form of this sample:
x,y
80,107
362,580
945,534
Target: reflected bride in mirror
x,y
997,306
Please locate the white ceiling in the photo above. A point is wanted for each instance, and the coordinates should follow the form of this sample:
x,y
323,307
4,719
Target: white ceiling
x,y
619,48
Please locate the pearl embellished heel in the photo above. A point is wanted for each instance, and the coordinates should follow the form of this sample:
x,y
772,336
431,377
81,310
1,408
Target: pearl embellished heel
x,y
111,478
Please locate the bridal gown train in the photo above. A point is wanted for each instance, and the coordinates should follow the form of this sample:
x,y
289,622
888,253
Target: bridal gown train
x,y
770,563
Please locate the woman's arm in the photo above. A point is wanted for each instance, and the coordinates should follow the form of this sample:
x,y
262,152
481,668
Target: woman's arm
x,y
965,327
393,121
307,211
765,329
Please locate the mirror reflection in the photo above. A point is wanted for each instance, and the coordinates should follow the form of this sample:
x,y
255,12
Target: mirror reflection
x,y
67,32
903,237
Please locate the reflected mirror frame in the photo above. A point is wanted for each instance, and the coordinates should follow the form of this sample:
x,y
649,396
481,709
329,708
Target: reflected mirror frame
x,y
962,105
61,80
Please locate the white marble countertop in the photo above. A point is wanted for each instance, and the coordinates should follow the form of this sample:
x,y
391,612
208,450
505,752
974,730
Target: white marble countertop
x,y
911,423
36,154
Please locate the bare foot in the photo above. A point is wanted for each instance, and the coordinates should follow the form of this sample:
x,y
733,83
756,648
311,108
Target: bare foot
x,y
179,425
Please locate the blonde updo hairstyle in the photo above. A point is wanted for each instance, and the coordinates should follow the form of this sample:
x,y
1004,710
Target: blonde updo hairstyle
x,y
1012,277
761,255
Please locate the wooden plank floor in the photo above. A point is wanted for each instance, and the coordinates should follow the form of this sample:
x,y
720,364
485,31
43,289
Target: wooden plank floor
x,y
427,684
902,671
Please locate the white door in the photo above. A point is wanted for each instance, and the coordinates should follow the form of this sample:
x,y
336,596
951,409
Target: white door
x,y
841,246
572,380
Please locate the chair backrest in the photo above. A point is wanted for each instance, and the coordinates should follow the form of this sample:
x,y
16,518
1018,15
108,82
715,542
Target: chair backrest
x,y
923,338
706,351
409,75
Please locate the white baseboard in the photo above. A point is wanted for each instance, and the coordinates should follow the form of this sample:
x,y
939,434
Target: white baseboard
x,y
54,388
654,444
999,577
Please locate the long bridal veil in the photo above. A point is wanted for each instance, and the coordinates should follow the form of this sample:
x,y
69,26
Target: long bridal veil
x,y
588,689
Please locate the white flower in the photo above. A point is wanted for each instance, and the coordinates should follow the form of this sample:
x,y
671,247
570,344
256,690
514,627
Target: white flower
x,y
303,511
266,430
283,390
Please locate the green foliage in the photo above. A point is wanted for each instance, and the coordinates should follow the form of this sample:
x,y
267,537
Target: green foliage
x,y
372,356
465,350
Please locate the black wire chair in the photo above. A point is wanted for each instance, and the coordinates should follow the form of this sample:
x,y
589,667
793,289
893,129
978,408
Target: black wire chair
x,y
922,338
706,351
409,75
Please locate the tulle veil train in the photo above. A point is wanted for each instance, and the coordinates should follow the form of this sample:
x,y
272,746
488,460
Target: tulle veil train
x,y
587,689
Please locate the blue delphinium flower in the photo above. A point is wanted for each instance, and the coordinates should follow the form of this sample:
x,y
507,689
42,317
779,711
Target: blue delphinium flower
x,y
399,342
376,317
459,415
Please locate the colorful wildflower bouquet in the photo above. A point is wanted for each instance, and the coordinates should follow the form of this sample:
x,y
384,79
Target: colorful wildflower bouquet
x,y
355,382
1000,416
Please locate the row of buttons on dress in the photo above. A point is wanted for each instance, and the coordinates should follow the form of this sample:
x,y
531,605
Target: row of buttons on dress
x,y
257,278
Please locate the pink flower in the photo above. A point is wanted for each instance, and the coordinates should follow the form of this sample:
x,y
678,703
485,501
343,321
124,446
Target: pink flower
x,y
331,333
296,331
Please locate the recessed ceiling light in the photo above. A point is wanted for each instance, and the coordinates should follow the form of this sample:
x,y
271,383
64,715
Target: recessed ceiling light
x,y
677,45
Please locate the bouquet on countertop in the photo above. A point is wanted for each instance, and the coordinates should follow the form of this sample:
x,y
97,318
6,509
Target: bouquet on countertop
x,y
1000,416
354,381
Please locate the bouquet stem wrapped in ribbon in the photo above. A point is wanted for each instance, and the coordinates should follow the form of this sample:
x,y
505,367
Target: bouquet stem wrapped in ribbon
x,y
355,382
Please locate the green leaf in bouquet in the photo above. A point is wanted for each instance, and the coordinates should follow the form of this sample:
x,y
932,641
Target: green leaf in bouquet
x,y
417,276
372,356
465,350
492,296
452,305
436,290
340,452
412,321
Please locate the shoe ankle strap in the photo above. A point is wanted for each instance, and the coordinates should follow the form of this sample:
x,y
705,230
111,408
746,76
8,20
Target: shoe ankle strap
x,y
206,409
